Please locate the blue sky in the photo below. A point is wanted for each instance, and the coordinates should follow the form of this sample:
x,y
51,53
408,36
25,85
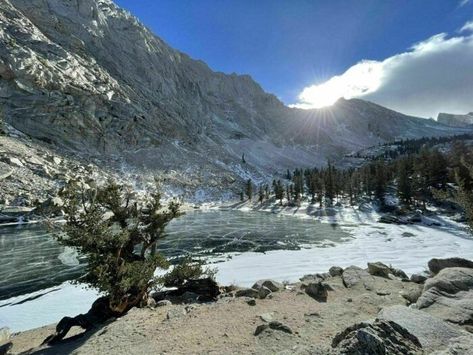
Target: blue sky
x,y
289,45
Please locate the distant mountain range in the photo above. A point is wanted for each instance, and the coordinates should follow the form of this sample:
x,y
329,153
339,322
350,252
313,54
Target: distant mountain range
x,y
86,76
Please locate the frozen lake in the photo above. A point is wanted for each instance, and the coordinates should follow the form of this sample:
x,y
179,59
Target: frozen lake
x,y
244,246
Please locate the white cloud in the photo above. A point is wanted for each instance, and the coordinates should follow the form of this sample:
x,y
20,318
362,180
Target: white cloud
x,y
464,2
435,75
467,27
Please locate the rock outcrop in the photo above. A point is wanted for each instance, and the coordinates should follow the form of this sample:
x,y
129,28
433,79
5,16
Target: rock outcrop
x,y
449,295
377,338
431,331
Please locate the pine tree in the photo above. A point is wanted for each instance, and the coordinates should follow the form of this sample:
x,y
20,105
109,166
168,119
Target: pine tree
x,y
437,170
380,181
266,191
329,183
249,189
404,188
421,177
464,180
288,175
279,191
261,195
118,235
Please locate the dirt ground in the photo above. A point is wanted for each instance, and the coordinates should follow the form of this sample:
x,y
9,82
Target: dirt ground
x,y
228,325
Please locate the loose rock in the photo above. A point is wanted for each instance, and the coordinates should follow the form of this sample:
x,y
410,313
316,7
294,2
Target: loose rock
x,y
335,271
251,302
353,276
264,292
175,313
318,291
272,285
247,292
379,269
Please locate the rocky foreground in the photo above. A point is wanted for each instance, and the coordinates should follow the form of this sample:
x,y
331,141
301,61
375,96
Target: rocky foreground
x,y
377,310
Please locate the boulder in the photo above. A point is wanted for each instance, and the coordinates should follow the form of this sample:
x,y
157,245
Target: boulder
x,y
251,302
432,333
418,279
400,274
247,292
175,313
449,295
379,269
436,265
272,285
5,348
335,271
354,276
378,338
264,292
318,291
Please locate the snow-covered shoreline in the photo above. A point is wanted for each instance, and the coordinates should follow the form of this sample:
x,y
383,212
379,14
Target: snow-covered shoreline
x,y
407,247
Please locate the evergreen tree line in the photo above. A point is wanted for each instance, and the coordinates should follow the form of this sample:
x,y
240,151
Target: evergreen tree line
x,y
417,179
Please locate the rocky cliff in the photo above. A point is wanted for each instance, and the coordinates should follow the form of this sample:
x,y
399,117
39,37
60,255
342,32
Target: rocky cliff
x,y
86,76
456,120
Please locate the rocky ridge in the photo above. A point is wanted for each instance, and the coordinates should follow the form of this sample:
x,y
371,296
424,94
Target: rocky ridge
x,y
86,76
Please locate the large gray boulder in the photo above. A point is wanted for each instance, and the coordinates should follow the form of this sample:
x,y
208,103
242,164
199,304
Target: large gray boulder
x,y
377,338
335,271
379,269
433,333
355,276
437,265
318,291
449,295
272,285
247,292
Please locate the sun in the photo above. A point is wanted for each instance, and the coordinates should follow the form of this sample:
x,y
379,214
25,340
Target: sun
x,y
359,80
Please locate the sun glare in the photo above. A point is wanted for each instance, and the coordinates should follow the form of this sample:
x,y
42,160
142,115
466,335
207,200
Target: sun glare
x,y
363,78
